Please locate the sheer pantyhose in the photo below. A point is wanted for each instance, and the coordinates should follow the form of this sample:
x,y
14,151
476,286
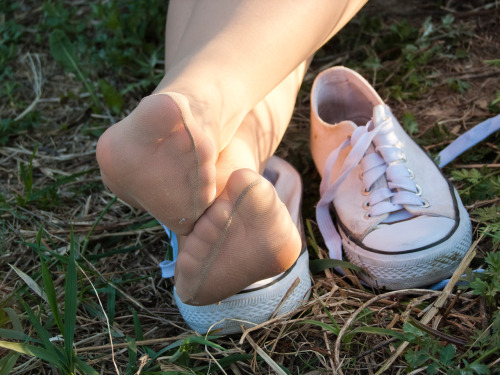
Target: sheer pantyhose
x,y
191,153
247,234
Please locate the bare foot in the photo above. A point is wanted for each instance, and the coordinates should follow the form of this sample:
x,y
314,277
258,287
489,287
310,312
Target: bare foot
x,y
245,236
159,160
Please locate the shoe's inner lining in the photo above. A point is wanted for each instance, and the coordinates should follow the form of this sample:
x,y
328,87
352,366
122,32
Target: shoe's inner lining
x,y
341,101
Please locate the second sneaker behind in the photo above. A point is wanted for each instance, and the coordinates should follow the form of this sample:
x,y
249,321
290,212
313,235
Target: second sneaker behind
x,y
396,215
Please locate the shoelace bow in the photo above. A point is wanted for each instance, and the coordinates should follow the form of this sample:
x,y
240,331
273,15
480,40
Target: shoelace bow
x,y
387,161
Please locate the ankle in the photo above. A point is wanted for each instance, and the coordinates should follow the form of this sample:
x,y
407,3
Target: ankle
x,y
218,107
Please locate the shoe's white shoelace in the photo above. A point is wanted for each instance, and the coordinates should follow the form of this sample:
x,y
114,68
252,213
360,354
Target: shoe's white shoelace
x,y
385,159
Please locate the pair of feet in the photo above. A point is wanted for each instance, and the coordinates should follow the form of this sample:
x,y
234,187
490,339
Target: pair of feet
x,y
229,217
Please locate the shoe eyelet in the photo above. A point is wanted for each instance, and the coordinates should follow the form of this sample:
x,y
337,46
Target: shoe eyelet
x,y
360,174
366,192
403,157
412,175
419,190
425,204
368,216
366,205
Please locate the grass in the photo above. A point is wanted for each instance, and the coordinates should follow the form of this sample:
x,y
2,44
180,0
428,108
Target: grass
x,y
80,290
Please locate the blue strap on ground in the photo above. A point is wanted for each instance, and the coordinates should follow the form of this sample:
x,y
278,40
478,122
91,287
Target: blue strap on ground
x,y
440,285
469,139
464,142
168,266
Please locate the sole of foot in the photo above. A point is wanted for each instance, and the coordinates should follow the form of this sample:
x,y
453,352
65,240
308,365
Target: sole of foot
x,y
159,159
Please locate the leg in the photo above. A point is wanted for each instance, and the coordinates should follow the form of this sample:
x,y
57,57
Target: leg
x,y
226,59
247,234
230,56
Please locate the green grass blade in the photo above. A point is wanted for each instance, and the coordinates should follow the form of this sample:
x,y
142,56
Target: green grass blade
x,y
495,62
112,97
34,351
139,335
327,312
48,285
15,335
37,194
30,282
70,301
187,341
14,319
63,52
27,176
227,361
199,340
169,373
112,252
312,241
42,332
373,330
110,304
328,327
318,265
132,355
33,246
180,357
27,191
84,368
8,362
87,238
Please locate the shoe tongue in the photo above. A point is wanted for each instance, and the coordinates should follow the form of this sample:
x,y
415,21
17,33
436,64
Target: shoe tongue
x,y
380,113
386,136
379,116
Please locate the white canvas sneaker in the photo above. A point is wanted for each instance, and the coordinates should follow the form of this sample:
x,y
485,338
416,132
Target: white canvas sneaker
x,y
266,298
397,216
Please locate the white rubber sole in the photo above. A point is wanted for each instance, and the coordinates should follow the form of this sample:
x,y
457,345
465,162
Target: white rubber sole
x,y
252,307
271,297
415,269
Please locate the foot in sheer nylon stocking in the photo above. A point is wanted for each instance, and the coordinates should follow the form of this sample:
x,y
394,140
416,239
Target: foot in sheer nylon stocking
x,y
159,160
246,235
